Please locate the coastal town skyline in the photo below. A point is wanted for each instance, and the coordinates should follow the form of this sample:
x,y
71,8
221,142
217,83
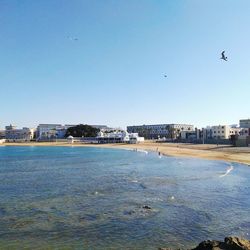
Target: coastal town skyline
x,y
105,63
23,125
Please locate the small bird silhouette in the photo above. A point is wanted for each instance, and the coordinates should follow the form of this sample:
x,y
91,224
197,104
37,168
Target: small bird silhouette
x,y
165,75
72,38
223,57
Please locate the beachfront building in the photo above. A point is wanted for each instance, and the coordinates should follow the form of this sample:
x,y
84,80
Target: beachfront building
x,y
118,135
2,134
224,131
245,132
49,131
156,131
112,136
135,138
245,123
14,134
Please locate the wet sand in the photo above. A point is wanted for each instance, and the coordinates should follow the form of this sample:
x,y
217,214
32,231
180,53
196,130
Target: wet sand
x,y
205,151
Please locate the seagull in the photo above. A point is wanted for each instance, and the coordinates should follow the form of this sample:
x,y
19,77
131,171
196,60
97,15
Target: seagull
x,y
223,57
72,38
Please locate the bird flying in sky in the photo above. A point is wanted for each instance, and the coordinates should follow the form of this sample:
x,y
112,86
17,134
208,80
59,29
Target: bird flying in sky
x,y
72,38
223,57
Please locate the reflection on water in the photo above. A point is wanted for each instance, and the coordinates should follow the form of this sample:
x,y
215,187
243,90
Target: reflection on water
x,y
115,199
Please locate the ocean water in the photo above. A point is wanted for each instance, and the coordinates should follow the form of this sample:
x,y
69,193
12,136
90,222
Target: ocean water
x,y
94,198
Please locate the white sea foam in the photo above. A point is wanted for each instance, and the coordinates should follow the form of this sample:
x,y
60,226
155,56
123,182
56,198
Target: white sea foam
x,y
227,171
142,151
129,149
134,181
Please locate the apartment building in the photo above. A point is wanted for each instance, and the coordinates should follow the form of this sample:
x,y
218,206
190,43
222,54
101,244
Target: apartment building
x,y
160,130
14,134
245,123
224,131
2,134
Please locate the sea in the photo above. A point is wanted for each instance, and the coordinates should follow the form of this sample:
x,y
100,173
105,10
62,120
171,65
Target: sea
x,y
100,198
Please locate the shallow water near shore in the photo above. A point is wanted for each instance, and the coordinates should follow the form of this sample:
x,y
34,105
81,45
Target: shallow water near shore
x,y
95,198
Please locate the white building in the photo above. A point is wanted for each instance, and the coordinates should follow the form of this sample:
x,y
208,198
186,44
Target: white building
x,y
160,130
224,131
47,131
118,135
52,131
135,138
113,135
2,141
14,134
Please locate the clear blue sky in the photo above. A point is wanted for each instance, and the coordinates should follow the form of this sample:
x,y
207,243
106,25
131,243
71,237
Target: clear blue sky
x,y
114,73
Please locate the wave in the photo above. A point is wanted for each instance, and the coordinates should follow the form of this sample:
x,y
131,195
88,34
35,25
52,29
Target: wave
x,y
142,151
227,171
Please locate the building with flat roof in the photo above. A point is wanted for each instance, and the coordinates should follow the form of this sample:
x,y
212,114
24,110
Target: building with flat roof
x,y
156,131
245,123
14,134
47,131
2,134
224,131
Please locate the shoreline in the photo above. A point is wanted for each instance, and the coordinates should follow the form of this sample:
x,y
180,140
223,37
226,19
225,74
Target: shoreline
x,y
202,151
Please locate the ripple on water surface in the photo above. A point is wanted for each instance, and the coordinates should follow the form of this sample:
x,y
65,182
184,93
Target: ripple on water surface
x,y
63,197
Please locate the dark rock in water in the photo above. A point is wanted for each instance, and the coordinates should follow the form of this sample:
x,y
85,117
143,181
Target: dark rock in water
x,y
237,243
2,211
142,186
146,207
210,244
230,243
165,248
130,212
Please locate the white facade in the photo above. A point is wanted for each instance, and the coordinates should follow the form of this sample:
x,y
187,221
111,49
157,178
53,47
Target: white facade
x,y
119,135
2,141
47,131
24,134
52,131
160,130
224,131
116,134
135,138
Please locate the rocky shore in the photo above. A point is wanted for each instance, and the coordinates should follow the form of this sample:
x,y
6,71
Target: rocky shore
x,y
230,243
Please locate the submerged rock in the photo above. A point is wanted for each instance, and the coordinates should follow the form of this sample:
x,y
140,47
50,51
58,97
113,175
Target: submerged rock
x,y
230,243
146,207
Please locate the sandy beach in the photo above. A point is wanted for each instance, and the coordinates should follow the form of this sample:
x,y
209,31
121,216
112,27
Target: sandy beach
x,y
205,151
